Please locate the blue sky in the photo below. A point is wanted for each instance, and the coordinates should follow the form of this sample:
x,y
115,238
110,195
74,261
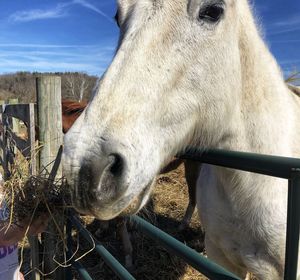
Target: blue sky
x,y
80,35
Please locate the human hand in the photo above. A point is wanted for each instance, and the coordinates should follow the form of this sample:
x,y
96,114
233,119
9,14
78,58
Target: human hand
x,y
13,233
21,276
37,225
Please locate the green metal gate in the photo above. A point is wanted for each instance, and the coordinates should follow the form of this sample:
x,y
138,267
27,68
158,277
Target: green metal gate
x,y
281,167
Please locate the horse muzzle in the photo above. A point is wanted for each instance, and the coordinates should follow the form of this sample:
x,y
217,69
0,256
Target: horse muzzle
x,y
99,183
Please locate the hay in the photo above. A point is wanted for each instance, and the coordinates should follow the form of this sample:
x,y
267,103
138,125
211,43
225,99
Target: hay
x,y
28,197
33,196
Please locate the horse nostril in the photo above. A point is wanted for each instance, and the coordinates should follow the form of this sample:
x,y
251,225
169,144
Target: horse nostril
x,y
100,181
117,166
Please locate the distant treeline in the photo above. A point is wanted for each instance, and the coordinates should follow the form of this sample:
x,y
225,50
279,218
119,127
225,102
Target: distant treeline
x,y
75,85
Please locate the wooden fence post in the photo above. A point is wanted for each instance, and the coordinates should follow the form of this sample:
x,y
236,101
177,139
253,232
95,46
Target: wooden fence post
x,y
33,240
9,147
4,143
51,138
15,122
2,140
31,133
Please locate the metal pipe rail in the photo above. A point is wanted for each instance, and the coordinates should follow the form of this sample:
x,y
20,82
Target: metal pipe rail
x,y
199,262
281,167
81,271
108,258
75,264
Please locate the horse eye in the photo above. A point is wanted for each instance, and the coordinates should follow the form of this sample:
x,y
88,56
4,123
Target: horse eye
x,y
211,13
117,18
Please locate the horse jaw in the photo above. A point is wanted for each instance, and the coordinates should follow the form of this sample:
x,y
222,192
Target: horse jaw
x,y
167,87
102,187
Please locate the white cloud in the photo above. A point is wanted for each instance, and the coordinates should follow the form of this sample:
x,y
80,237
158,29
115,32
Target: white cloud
x,y
90,6
92,59
293,21
290,62
277,31
48,46
42,65
61,10
285,26
38,14
285,41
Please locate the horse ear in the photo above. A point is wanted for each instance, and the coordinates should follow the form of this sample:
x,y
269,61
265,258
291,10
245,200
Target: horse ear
x,y
124,7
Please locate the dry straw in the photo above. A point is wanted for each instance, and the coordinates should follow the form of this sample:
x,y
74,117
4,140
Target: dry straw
x,y
29,197
25,194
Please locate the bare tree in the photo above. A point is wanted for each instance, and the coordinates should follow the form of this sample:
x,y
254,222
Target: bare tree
x,y
83,87
78,86
75,85
70,82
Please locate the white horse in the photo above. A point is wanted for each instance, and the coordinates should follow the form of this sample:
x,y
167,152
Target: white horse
x,y
190,71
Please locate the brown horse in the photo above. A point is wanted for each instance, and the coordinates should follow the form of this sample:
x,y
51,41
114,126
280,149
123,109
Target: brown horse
x,y
71,110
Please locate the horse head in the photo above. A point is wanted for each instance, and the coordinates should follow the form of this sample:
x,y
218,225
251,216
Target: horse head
x,y
175,80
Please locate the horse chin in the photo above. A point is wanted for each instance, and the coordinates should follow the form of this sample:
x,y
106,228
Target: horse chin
x,y
126,206
138,202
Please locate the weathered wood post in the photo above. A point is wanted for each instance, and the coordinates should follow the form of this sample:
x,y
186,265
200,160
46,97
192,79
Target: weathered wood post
x,y
2,140
31,133
15,122
14,127
51,138
4,143
2,102
33,240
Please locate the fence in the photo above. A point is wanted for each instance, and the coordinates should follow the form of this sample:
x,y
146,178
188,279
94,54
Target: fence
x,y
281,167
44,117
10,115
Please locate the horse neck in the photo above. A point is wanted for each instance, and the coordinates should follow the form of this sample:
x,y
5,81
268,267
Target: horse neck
x,y
260,72
263,124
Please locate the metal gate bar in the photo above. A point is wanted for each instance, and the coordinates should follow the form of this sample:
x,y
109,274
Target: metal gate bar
x,y
81,270
281,167
201,263
75,264
293,223
108,258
